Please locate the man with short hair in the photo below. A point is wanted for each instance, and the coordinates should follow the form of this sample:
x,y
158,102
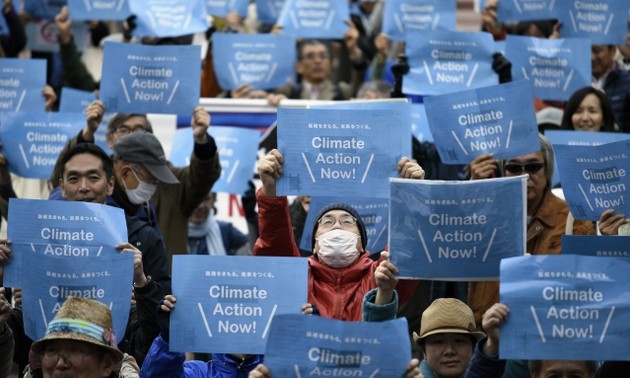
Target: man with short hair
x,y
174,202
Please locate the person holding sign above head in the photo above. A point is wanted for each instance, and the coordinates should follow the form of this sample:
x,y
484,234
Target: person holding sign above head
x,y
172,201
546,213
588,109
486,363
340,270
161,362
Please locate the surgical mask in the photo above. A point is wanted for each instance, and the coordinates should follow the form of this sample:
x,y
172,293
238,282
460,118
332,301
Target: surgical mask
x,y
142,193
338,248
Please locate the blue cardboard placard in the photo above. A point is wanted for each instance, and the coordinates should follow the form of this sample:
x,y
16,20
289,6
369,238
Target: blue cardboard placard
x,y
62,248
565,307
446,61
321,19
268,11
346,151
32,141
107,280
595,178
42,228
75,100
21,84
172,18
420,124
604,22
221,8
527,10
237,148
43,35
87,10
264,61
225,304
499,119
595,245
579,138
44,9
456,230
555,67
374,213
312,346
407,17
150,79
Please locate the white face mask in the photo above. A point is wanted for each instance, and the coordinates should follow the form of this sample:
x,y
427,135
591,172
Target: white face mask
x,y
338,248
142,193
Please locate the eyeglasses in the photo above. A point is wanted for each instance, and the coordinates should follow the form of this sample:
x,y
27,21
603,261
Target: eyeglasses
x,y
346,221
312,55
124,130
516,168
72,356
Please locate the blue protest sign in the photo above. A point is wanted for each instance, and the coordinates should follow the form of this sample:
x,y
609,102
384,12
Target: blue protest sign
x,y
312,346
374,213
579,138
86,10
68,249
555,67
237,148
264,61
172,18
225,304
71,230
595,178
150,79
54,278
456,230
74,100
45,9
420,124
499,119
21,84
595,245
221,8
32,141
348,152
526,10
268,11
604,22
322,19
446,61
565,307
402,17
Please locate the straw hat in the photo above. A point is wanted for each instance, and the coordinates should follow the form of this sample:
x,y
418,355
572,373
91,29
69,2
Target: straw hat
x,y
85,320
447,315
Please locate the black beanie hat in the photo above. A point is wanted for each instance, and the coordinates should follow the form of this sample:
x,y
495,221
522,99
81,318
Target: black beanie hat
x,y
344,207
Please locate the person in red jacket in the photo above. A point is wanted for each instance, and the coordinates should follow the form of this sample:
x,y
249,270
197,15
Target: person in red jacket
x,y
340,270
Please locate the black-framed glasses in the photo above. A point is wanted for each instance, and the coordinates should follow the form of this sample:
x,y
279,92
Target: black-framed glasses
x,y
346,221
124,130
531,167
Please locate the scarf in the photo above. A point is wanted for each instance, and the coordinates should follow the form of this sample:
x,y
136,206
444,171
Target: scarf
x,y
210,229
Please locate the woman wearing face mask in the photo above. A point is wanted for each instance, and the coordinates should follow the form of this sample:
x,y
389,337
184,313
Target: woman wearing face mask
x,y
588,109
340,270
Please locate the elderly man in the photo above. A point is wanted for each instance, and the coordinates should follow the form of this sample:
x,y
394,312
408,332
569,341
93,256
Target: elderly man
x,y
546,213
174,202
339,264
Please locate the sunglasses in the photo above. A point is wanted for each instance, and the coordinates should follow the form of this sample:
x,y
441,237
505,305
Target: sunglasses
x,y
516,168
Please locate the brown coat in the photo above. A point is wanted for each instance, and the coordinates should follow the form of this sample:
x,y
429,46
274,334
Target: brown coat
x,y
544,236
